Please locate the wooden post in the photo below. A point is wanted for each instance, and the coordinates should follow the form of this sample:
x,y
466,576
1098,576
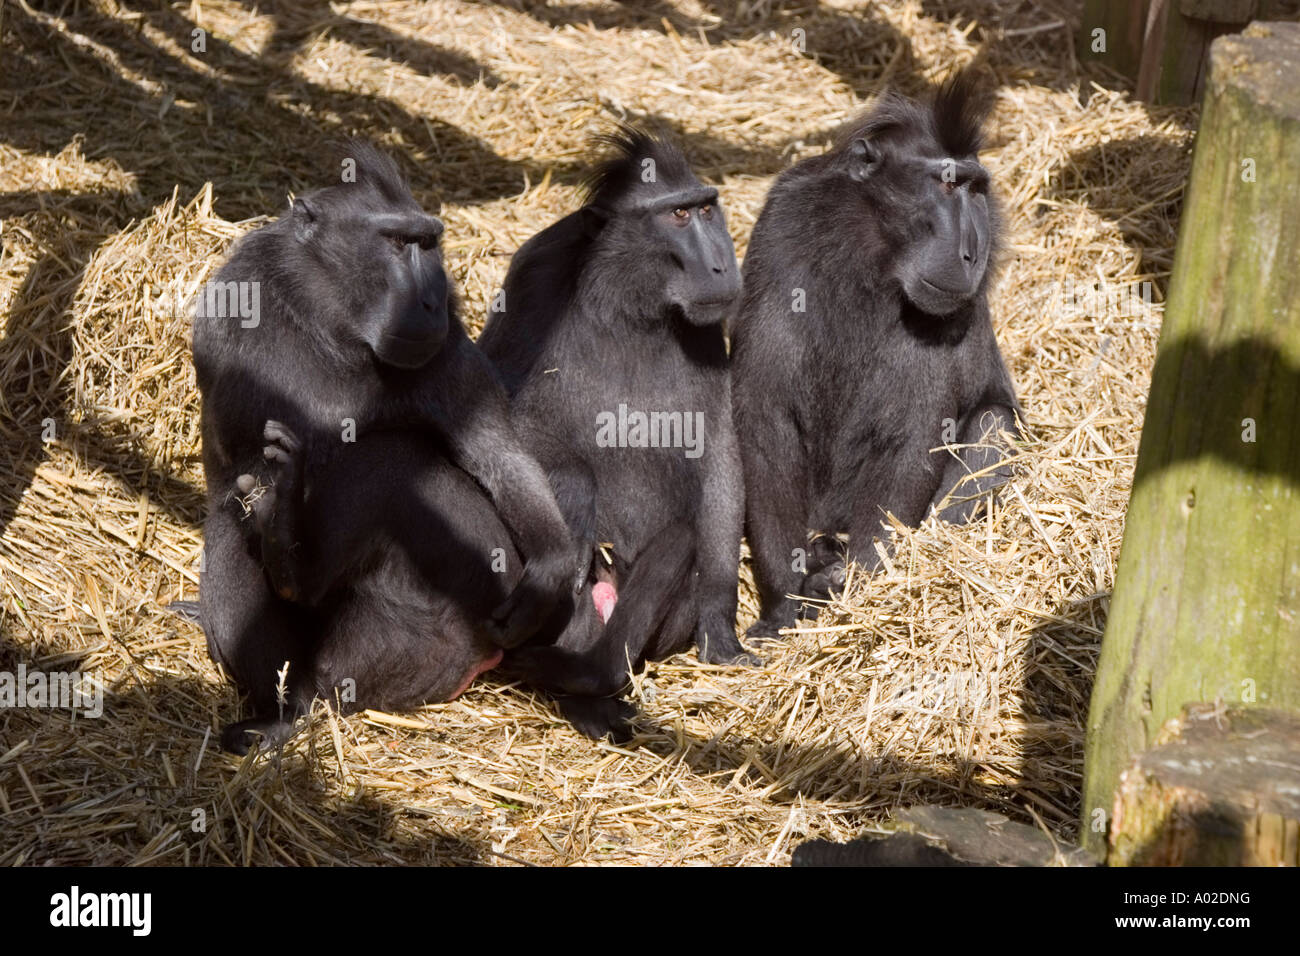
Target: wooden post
x,y
1221,788
1164,45
1207,597
1119,45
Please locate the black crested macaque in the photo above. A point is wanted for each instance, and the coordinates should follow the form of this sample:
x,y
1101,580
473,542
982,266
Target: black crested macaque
x,y
865,373
611,345
356,437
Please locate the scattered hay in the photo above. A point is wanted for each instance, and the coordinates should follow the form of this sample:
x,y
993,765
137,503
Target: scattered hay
x,y
959,676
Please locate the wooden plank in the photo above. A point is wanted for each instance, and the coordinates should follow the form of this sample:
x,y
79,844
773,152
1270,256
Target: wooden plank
x,y
1207,596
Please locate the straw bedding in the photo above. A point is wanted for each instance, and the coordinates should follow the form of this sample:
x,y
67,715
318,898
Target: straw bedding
x,y
129,162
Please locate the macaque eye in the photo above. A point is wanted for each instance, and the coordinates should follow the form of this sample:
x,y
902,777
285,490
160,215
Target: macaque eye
x,y
681,214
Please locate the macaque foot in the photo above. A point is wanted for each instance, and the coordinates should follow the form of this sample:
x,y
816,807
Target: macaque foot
x,y
257,733
598,717
716,643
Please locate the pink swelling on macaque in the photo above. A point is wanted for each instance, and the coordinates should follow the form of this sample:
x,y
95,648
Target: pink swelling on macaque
x,y
483,667
604,597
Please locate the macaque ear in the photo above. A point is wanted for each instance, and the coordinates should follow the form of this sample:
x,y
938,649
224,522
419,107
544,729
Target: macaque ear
x,y
304,219
593,220
865,158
